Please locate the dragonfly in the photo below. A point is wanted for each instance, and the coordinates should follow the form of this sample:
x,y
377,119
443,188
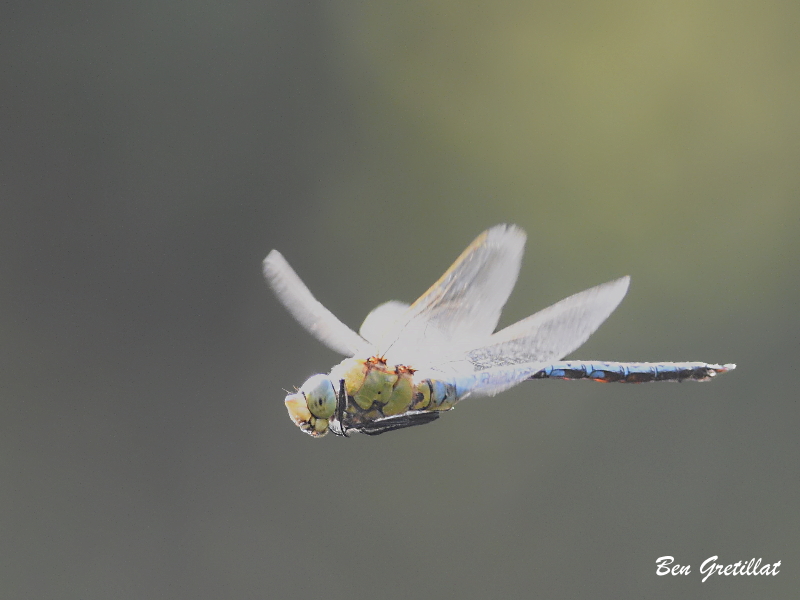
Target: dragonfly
x,y
408,364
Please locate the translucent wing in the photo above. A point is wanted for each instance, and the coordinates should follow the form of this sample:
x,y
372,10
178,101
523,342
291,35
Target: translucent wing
x,y
382,319
463,307
518,351
309,312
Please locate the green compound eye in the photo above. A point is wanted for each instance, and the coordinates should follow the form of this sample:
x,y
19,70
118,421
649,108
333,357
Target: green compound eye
x,y
320,396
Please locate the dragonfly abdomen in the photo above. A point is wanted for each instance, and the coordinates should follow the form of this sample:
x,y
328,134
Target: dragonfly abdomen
x,y
616,372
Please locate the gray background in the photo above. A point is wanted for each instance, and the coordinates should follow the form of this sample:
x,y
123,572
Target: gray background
x,y
152,154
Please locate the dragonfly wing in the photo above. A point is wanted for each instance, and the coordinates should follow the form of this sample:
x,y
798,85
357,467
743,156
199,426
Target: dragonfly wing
x,y
463,307
381,319
487,382
309,312
542,338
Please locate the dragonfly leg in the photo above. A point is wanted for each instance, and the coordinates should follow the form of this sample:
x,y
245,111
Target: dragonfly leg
x,y
398,422
338,413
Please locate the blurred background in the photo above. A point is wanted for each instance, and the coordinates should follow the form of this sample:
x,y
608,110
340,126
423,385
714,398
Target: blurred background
x,y
153,153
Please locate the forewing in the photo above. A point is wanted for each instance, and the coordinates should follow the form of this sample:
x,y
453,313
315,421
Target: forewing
x,y
307,310
544,337
463,307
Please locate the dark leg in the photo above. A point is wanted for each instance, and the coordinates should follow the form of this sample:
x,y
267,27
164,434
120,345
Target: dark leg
x,y
399,422
338,414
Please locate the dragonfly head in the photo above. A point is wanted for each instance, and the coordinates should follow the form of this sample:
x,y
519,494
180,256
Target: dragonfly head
x,y
313,405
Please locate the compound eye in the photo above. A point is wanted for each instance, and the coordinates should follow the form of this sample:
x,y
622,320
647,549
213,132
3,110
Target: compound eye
x,y
320,396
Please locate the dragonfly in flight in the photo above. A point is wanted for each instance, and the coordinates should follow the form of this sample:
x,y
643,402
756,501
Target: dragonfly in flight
x,y
410,363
